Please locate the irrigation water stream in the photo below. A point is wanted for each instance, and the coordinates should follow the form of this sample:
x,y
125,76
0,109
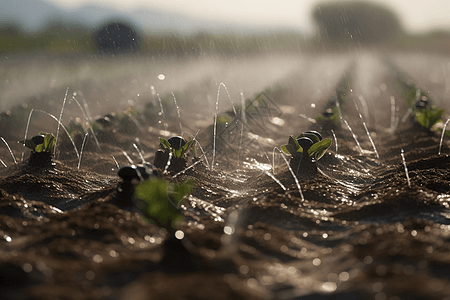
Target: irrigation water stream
x,y
373,223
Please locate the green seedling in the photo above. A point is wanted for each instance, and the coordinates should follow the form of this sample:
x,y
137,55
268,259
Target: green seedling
x,y
172,156
177,145
159,201
430,116
305,150
42,143
330,114
316,150
425,112
75,128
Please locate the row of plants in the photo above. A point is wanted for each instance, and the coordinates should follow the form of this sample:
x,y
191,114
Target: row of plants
x,y
143,187
147,189
331,115
146,186
157,198
148,179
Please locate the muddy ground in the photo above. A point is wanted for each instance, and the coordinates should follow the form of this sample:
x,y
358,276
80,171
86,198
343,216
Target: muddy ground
x,y
365,228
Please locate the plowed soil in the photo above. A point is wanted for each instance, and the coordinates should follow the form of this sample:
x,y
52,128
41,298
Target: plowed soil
x,y
366,227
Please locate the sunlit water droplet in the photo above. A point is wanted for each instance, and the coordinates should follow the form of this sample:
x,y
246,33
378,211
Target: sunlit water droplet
x,y
97,258
228,230
179,234
316,262
329,287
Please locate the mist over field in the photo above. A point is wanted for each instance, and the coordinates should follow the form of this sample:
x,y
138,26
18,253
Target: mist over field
x,y
224,162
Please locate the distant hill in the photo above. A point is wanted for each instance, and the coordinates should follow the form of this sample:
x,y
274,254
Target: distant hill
x,y
33,15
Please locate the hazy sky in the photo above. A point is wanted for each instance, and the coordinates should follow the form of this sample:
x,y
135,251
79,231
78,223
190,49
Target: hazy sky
x,y
416,15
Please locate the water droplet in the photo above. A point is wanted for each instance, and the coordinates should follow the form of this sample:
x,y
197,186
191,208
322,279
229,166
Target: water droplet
x,y
252,283
368,260
228,230
344,276
316,262
329,287
179,234
27,267
161,77
243,269
90,275
97,258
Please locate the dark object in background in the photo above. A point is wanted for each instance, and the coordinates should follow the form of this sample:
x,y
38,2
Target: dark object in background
x,y
116,38
356,21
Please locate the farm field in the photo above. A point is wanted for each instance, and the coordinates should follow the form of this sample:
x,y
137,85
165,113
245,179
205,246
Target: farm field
x,y
372,223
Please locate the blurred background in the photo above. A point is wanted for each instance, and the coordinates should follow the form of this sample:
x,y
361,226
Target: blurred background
x,y
114,55
197,27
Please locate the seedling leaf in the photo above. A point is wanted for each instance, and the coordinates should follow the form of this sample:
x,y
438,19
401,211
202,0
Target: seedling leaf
x,y
157,198
165,143
287,149
296,146
186,147
39,148
319,148
28,144
312,136
177,152
430,116
48,145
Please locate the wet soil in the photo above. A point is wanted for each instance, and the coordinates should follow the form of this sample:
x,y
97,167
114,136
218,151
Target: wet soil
x,y
363,228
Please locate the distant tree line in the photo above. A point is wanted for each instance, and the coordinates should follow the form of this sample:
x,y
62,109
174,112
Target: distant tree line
x,y
356,21
118,37
338,22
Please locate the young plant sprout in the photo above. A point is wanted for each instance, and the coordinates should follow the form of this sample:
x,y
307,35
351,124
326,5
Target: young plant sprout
x,y
329,116
427,114
43,142
158,201
424,111
175,149
305,151
42,148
